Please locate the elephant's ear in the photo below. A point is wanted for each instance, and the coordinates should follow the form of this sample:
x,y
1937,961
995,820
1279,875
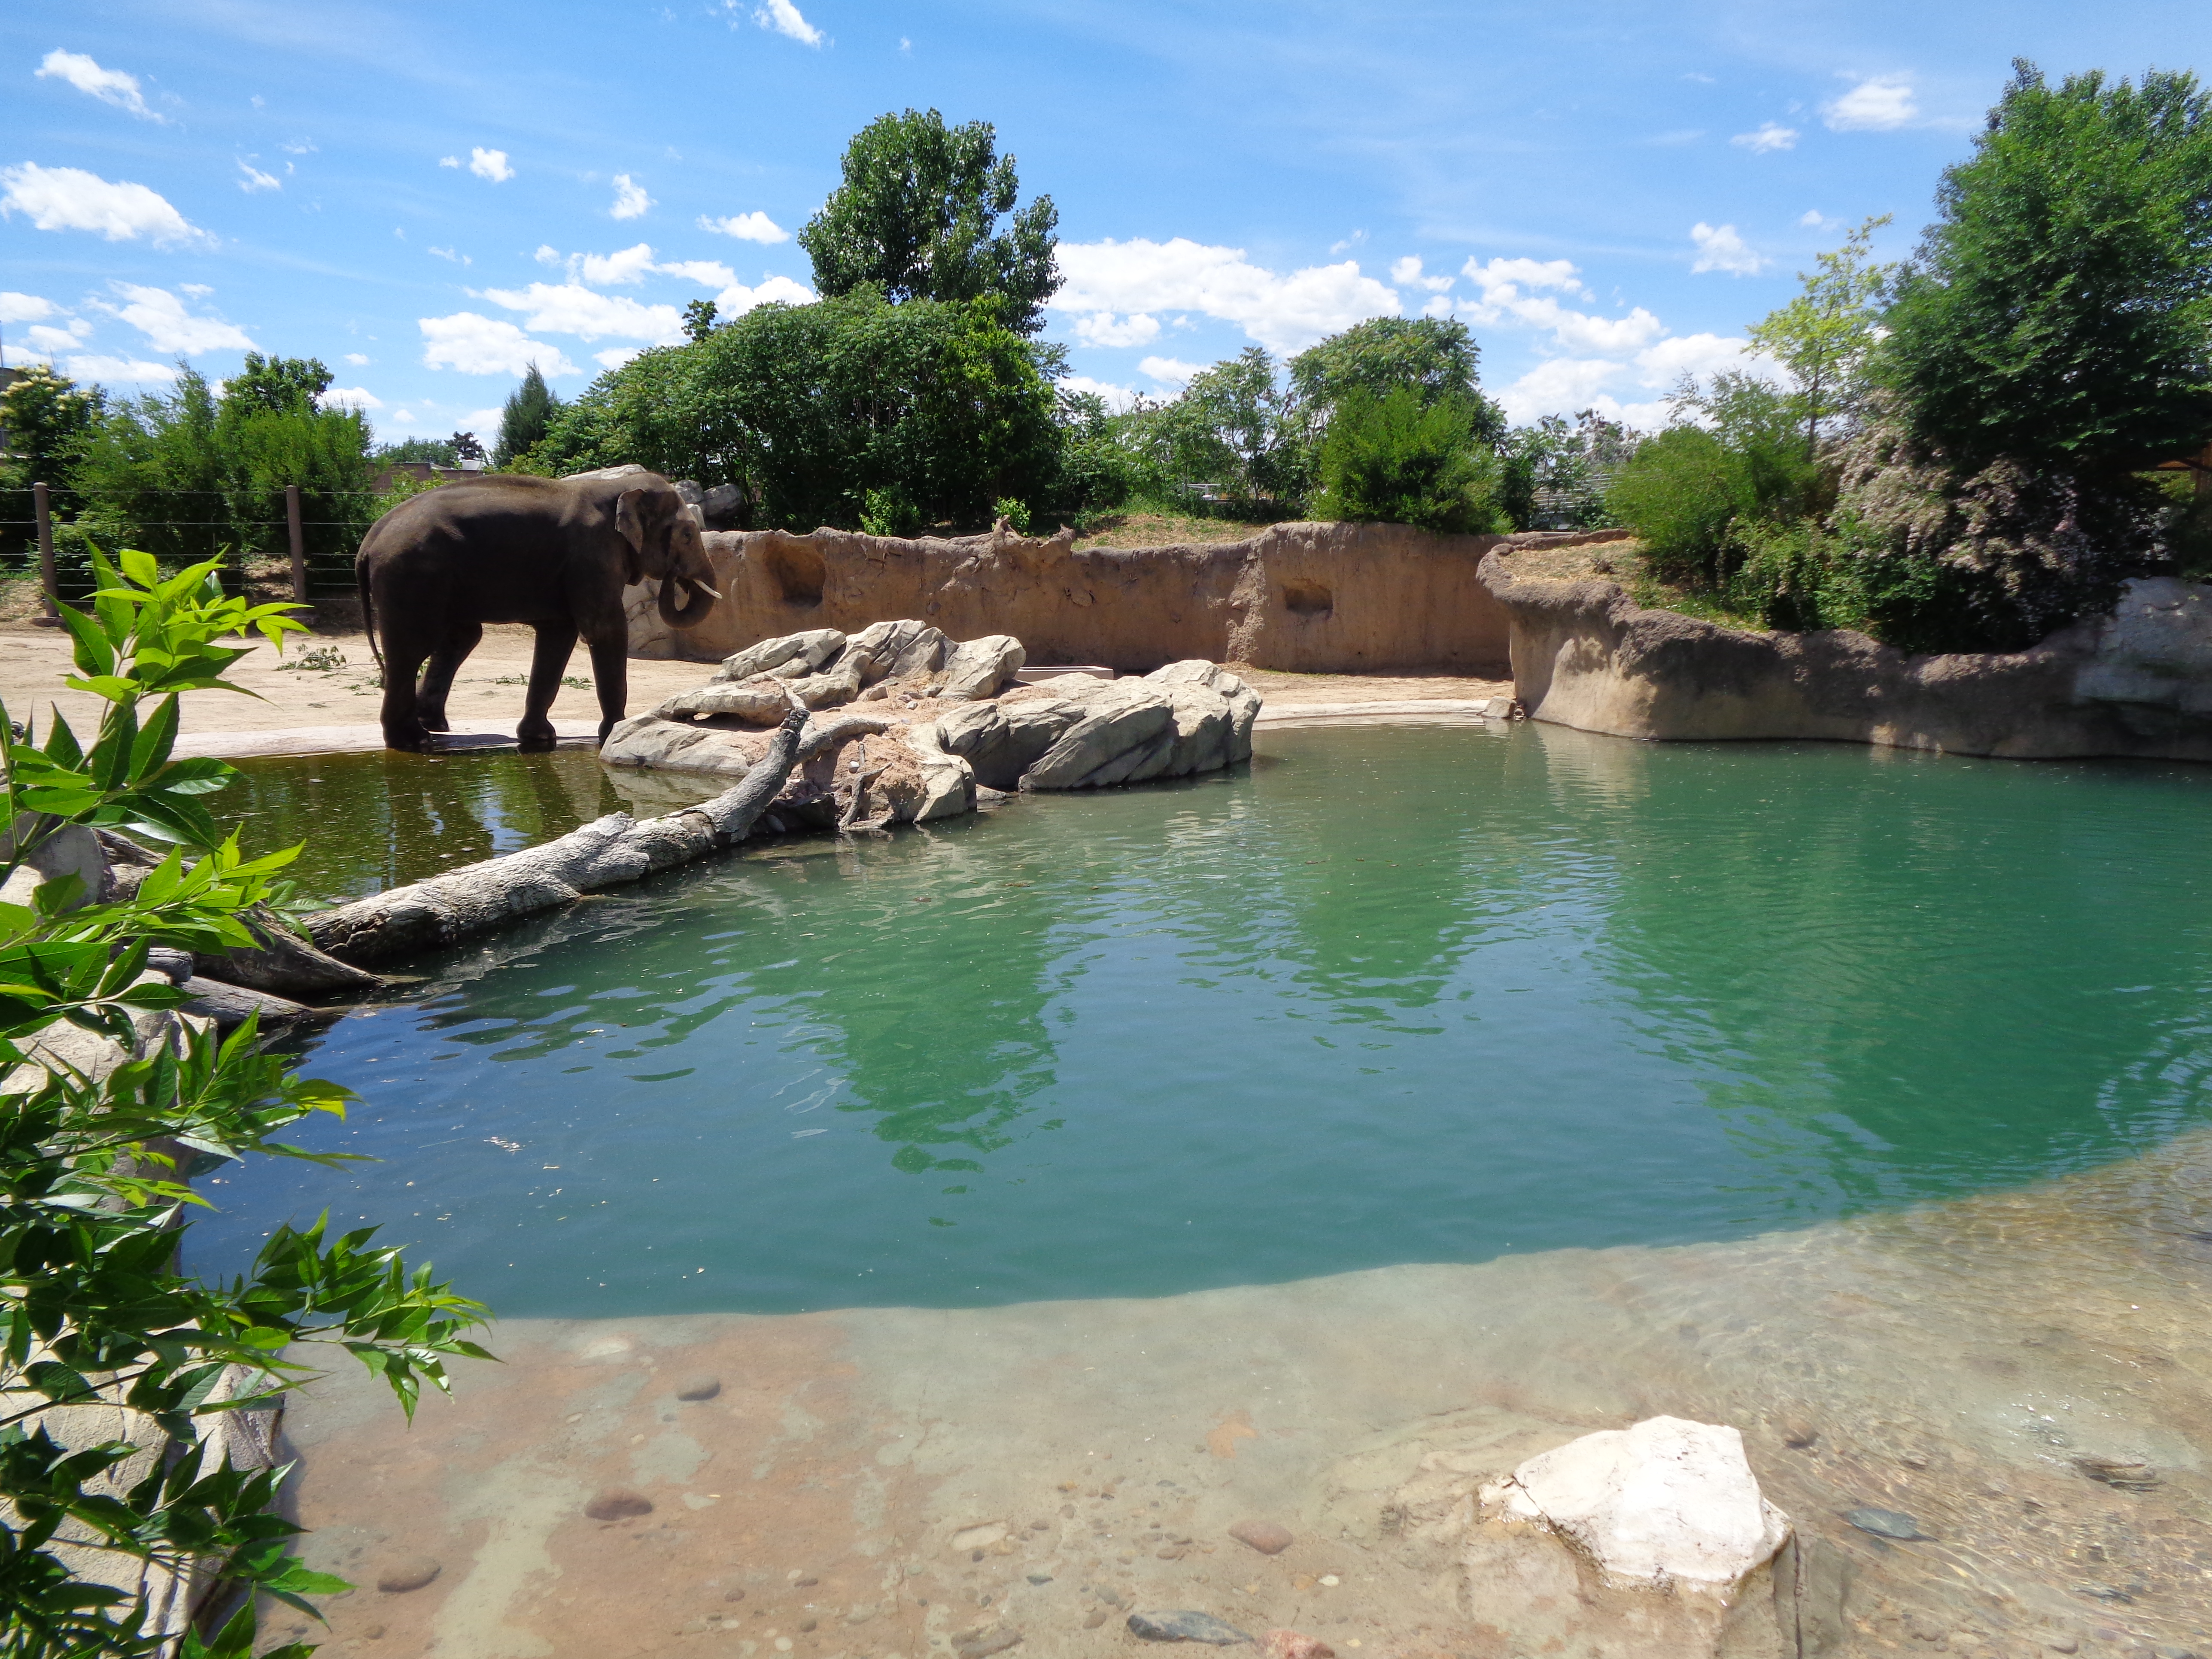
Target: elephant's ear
x,y
630,523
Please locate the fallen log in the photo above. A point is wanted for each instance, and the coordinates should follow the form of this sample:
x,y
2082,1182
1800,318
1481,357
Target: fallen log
x,y
611,851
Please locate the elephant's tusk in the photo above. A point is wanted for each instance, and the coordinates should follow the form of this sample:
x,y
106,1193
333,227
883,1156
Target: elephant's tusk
x,y
700,588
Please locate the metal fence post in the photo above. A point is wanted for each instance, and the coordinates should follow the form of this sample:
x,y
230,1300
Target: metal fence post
x,y
298,544
49,580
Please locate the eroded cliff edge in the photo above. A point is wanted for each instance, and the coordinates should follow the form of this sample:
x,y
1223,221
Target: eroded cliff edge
x,y
2135,683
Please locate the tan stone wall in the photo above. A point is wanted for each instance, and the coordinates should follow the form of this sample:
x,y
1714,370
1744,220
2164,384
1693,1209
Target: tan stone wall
x,y
1312,597
2137,682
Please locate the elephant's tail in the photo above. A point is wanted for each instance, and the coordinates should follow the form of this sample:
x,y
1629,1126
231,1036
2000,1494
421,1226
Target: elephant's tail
x,y
368,614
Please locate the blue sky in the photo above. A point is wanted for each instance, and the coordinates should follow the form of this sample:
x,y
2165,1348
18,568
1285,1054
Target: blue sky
x,y
428,198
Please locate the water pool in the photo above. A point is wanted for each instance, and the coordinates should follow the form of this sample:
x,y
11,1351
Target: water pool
x,y
1389,995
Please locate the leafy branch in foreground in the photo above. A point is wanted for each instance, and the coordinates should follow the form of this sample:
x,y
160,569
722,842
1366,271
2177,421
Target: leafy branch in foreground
x,y
96,1146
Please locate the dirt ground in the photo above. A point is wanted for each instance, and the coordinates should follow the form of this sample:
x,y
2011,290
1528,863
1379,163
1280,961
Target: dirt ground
x,y
340,688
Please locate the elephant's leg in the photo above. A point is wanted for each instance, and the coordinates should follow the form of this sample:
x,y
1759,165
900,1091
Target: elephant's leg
x,y
555,640
438,678
610,677
405,649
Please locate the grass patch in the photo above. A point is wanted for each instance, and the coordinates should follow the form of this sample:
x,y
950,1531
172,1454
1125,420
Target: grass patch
x,y
1142,527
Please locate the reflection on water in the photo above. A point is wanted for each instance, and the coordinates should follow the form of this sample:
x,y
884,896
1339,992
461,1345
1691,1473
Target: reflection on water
x,y
1391,996
384,819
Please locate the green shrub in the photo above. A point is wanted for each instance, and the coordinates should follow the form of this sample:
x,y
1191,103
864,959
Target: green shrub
x,y
1682,492
1393,460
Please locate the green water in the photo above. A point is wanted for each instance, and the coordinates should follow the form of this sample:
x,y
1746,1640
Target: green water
x,y
1390,994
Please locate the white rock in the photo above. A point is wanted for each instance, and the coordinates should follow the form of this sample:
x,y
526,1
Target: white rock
x,y
977,668
791,655
1665,1503
760,701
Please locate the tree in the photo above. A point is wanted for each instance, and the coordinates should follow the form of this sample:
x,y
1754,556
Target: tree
x,y
1435,356
94,1310
2059,313
698,321
1555,472
188,473
1394,459
529,410
43,419
1824,336
1231,436
917,216
937,409
276,385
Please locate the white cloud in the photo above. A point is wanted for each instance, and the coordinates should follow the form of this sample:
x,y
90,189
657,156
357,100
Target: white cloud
x,y
547,254
404,417
46,339
109,86
450,257
755,227
1769,137
783,18
1170,371
708,273
1814,219
1502,280
302,147
737,299
1118,397
1284,313
1407,273
25,307
350,397
359,360
630,199
255,179
197,290
615,356
1719,248
610,269
1561,273
1882,104
69,198
120,369
1695,355
1559,387
161,316
489,164
486,345
449,160
571,308
1101,328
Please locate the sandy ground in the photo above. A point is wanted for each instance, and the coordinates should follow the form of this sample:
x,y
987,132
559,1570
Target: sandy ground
x,y
2027,1376
334,707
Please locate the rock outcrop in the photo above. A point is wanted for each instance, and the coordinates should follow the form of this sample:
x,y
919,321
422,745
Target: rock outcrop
x,y
1312,597
2135,683
932,719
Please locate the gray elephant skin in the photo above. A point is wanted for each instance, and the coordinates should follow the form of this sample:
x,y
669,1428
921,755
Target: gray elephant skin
x,y
555,553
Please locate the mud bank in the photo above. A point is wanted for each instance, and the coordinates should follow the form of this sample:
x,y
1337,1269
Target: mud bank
x,y
1308,598
2137,683
2024,1375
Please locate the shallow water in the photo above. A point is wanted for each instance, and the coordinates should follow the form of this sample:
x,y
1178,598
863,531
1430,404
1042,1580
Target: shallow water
x,y
1389,995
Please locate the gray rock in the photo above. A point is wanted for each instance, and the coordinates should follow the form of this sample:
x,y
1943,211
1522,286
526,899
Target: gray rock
x,y
699,1388
759,702
617,1503
1886,1524
810,649
723,504
1186,1627
978,668
175,966
1117,717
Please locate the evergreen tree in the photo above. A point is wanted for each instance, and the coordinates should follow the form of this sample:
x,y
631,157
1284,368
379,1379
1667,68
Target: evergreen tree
x,y
529,410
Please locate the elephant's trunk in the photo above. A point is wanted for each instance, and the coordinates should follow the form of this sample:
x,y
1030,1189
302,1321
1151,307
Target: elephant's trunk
x,y
694,610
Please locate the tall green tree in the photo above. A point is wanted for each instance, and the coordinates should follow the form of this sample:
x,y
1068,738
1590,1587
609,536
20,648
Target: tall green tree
x,y
937,409
2059,313
43,419
1435,357
530,411
276,385
1824,336
918,216
1231,436
1395,460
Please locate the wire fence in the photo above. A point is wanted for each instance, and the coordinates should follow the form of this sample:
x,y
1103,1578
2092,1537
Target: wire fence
x,y
51,528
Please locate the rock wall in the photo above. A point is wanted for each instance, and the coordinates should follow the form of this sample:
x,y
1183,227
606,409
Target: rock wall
x,y
2137,682
1311,598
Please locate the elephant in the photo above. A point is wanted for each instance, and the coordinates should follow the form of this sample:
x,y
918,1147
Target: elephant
x,y
509,548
